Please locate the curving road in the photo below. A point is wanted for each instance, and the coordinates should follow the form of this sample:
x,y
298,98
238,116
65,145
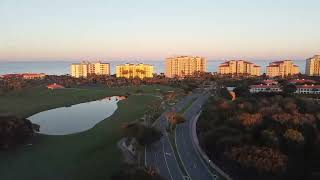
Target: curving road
x,y
193,163
161,156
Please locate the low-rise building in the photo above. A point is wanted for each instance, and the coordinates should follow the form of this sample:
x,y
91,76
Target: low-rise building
x,y
25,75
55,86
239,67
269,82
33,75
302,81
265,88
134,71
308,89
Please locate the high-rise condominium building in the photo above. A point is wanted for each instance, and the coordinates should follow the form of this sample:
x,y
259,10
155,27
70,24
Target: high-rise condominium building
x,y
84,69
239,67
282,68
182,66
134,70
313,66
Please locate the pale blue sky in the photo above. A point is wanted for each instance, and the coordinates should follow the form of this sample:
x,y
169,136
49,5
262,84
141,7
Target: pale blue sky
x,y
155,29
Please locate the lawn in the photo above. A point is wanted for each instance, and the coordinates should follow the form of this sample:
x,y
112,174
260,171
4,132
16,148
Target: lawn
x,y
92,154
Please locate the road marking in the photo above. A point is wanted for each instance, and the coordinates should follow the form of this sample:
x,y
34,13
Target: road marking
x,y
214,176
195,104
166,161
145,156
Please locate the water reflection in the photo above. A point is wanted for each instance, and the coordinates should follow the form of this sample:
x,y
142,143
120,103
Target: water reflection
x,y
76,118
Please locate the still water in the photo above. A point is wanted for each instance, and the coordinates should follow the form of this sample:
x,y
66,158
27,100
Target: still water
x,y
76,118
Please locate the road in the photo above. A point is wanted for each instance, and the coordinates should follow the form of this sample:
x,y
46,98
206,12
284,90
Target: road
x,y
160,154
193,163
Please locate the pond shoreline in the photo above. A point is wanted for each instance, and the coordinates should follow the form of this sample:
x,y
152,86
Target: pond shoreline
x,y
75,118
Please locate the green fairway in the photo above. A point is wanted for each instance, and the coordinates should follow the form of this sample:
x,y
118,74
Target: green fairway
x,y
92,154
28,102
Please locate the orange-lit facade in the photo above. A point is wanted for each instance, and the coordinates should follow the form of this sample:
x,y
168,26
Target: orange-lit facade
x,y
239,67
282,68
87,68
134,71
182,66
313,66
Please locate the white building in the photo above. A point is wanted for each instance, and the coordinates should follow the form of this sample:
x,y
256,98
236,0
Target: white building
x,y
84,69
265,88
308,89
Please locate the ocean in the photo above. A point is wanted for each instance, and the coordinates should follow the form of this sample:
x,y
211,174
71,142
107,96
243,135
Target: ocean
x,y
63,67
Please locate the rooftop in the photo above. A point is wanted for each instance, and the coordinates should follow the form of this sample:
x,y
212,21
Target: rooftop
x,y
294,81
264,86
308,86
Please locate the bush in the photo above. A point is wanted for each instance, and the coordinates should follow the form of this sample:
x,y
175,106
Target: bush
x,y
131,172
144,135
14,131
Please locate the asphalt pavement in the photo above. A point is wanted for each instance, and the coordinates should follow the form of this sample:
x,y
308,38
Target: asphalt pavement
x,y
160,154
193,163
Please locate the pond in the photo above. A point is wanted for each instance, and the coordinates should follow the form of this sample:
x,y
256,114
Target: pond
x,y
76,118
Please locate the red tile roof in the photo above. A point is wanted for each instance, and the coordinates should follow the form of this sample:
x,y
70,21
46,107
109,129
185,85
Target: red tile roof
x,y
308,86
55,86
302,81
224,65
273,65
269,81
264,86
277,62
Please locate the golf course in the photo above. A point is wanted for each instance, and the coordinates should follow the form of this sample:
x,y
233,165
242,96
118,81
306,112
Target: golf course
x,y
92,154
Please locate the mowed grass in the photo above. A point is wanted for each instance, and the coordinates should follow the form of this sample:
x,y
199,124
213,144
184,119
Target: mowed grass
x,y
89,155
28,102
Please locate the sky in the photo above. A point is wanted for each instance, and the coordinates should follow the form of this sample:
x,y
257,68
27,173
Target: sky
x,y
154,29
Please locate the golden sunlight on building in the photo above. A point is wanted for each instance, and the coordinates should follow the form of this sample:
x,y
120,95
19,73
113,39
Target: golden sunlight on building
x,y
313,66
239,67
84,69
182,66
134,71
282,68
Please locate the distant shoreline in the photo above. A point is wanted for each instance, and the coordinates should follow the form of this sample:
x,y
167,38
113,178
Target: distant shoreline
x,y
61,67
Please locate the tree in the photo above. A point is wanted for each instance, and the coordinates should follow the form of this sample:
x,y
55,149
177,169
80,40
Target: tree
x,y
224,92
241,91
174,118
132,172
294,136
289,88
249,120
144,135
263,159
14,131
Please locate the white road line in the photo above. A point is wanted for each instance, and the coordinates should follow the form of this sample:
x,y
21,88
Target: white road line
x,y
145,156
175,140
166,160
201,160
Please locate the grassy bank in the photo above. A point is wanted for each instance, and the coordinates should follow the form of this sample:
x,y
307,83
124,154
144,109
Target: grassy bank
x,y
88,155
27,102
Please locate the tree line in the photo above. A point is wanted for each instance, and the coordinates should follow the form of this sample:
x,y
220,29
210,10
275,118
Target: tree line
x,y
263,137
